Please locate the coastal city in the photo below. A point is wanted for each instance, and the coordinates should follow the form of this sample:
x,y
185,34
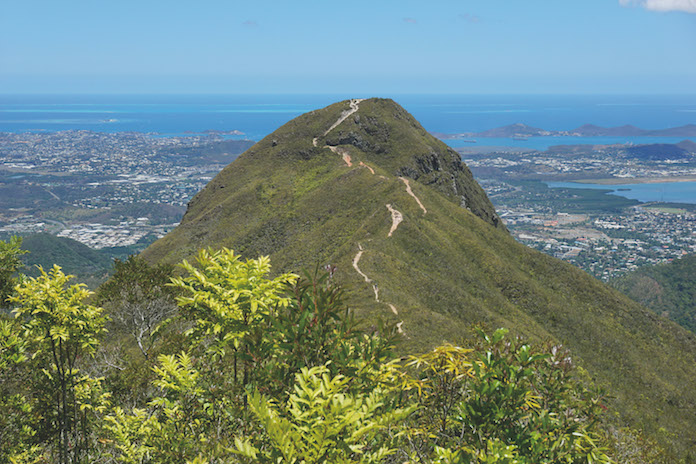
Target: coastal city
x,y
622,162
610,245
605,234
128,189
105,190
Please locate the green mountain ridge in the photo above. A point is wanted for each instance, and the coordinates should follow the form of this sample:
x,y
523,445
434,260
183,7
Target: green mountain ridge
x,y
668,289
74,257
360,185
89,265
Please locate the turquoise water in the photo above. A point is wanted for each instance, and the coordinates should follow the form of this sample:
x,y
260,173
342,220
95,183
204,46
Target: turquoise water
x,y
668,192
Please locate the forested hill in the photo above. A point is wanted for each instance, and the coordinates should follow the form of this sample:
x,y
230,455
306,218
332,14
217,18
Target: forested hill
x,y
668,289
75,258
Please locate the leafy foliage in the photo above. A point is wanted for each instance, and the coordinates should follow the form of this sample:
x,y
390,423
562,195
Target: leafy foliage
x,y
59,329
503,401
227,298
322,422
316,388
138,299
201,401
178,425
17,421
316,328
10,262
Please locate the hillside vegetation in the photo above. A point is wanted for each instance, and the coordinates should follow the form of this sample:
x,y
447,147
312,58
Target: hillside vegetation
x,y
89,265
415,241
273,370
668,289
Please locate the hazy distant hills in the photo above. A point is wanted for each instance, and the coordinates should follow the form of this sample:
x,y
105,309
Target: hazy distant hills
x,y
362,186
512,130
589,130
586,130
687,145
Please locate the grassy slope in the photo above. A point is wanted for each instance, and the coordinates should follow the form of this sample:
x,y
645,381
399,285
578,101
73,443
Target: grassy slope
x,y
668,289
444,270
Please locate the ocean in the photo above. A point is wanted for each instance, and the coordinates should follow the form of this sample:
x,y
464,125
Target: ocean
x,y
259,115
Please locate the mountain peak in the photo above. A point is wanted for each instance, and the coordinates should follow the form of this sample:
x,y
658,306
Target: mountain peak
x,y
350,168
378,132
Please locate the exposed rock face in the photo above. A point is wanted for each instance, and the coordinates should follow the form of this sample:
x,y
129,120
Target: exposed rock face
x,y
390,137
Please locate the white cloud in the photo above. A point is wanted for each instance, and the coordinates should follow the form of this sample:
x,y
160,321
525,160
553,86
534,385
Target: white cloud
x,y
688,6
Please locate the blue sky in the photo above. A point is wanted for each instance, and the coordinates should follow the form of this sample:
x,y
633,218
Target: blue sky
x,y
463,46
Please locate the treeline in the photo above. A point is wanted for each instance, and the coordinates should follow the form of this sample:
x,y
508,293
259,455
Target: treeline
x,y
220,363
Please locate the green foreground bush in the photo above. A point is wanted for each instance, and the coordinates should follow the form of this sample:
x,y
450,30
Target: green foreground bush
x,y
274,370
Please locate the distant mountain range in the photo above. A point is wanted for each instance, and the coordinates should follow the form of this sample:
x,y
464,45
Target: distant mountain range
x,y
586,130
413,239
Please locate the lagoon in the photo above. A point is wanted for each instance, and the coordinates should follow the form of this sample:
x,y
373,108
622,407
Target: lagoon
x,y
664,192
259,115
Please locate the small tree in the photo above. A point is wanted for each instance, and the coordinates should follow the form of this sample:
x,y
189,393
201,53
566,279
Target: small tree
x,y
138,299
316,328
10,262
322,422
18,418
228,301
504,398
179,423
61,329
